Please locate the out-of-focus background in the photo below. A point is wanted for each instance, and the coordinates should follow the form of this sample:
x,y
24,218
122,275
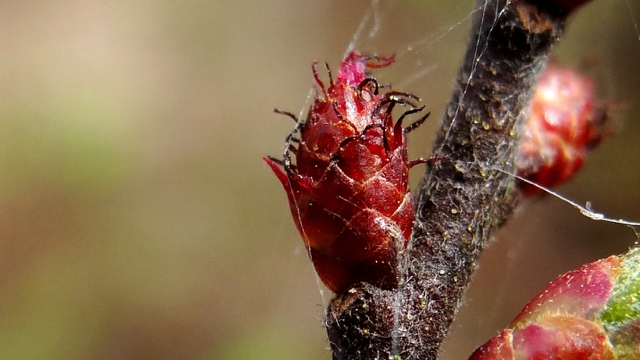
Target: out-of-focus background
x,y
137,220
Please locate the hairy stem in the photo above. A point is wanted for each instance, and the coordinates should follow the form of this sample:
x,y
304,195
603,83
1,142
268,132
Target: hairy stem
x,y
465,195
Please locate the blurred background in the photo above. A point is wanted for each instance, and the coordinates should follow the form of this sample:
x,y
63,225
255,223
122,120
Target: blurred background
x,y
137,220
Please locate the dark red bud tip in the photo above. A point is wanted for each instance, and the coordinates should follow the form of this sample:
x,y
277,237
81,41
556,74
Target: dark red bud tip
x,y
275,167
353,68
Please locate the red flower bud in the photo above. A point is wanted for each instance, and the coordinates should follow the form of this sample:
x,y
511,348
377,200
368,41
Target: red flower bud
x,y
348,190
563,125
562,321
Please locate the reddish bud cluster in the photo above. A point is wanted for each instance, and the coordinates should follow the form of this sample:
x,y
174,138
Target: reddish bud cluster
x,y
563,125
348,190
561,322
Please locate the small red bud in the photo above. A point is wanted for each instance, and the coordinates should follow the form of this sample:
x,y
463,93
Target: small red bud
x,y
348,189
563,125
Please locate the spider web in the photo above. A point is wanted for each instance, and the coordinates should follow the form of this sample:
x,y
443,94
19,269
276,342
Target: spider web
x,y
419,61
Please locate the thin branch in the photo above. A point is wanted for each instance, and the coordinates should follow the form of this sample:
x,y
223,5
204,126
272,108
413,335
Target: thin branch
x,y
465,195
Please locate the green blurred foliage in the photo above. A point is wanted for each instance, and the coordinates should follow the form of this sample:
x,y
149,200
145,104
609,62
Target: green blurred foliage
x,y
137,220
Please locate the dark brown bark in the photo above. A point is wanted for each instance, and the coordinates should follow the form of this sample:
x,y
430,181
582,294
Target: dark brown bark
x,y
464,195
